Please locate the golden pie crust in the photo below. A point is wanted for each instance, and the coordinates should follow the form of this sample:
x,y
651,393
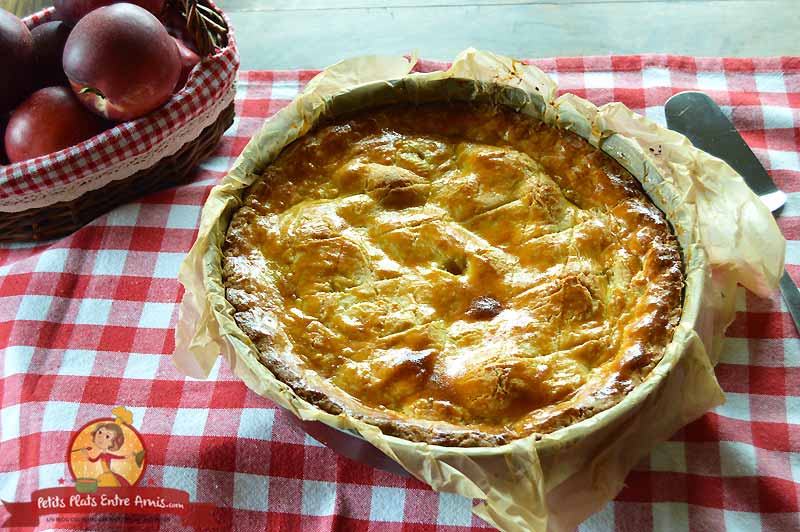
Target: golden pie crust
x,y
453,273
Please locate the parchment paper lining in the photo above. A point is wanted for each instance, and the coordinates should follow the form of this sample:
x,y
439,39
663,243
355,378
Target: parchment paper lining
x,y
727,235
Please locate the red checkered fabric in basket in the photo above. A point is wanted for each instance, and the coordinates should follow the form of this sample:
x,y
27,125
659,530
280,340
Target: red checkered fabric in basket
x,y
86,324
207,84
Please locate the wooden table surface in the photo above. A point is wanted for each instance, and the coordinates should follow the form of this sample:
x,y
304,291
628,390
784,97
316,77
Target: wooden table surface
x,y
315,33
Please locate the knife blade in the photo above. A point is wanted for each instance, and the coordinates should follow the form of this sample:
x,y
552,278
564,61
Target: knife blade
x,y
699,118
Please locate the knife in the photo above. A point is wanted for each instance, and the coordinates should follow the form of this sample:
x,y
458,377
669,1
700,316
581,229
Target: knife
x,y
700,119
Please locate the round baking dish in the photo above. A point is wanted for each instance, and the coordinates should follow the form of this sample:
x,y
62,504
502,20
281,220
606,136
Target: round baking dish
x,y
537,482
630,349
349,443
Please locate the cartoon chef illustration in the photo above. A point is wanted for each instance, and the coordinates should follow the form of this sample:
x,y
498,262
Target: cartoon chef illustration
x,y
107,439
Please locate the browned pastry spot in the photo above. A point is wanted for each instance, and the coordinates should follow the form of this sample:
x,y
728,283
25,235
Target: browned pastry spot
x,y
484,308
456,274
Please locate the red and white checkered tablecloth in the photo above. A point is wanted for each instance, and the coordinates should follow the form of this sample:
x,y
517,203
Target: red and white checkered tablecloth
x,y
86,324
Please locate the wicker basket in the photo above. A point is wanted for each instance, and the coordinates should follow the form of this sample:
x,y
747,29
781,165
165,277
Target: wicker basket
x,y
63,218
45,222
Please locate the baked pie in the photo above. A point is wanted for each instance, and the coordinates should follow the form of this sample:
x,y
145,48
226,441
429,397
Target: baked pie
x,y
453,273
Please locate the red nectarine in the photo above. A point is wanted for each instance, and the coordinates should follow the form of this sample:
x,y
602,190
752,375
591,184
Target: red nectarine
x,y
16,60
71,11
3,158
188,60
48,49
51,119
121,62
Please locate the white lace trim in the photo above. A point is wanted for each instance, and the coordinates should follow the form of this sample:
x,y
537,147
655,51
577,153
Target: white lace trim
x,y
125,168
